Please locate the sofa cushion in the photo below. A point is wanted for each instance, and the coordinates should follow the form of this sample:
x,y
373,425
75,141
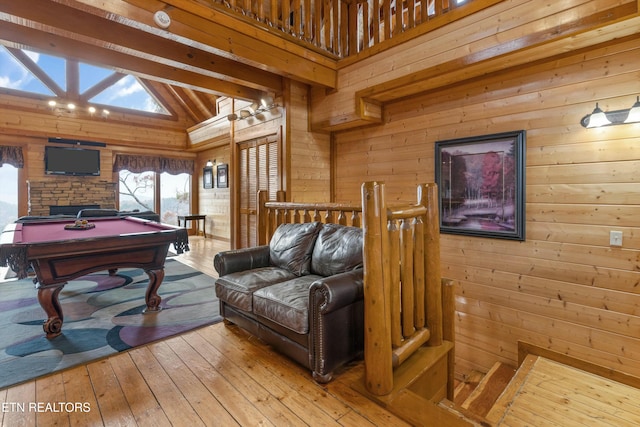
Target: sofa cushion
x,y
291,246
236,289
338,249
286,303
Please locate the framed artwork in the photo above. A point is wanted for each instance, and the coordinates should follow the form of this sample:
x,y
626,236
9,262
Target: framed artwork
x,y
207,177
223,170
481,185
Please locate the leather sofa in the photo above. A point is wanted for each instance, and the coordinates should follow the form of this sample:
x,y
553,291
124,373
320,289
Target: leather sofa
x,y
302,293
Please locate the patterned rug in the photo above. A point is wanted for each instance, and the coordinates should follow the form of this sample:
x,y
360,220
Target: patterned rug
x,y
102,316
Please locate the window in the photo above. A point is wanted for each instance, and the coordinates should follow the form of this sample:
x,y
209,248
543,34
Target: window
x,y
138,191
8,195
175,196
19,69
8,202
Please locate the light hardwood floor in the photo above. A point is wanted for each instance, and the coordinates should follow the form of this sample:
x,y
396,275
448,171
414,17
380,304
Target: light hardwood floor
x,y
215,376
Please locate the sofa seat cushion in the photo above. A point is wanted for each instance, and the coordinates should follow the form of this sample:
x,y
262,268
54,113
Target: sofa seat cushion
x,y
286,303
338,249
236,289
291,246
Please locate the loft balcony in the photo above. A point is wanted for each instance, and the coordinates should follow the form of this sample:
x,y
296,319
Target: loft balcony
x,y
345,28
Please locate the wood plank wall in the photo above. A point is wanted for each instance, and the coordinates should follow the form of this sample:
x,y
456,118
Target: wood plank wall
x,y
309,152
215,202
564,288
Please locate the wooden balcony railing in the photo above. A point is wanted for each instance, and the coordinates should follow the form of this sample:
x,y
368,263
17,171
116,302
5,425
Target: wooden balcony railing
x,y
342,27
273,213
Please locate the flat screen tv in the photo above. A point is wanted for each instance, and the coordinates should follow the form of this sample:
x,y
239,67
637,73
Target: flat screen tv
x,y
71,161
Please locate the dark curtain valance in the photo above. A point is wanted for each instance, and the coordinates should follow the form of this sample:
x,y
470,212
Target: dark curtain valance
x,y
138,164
11,156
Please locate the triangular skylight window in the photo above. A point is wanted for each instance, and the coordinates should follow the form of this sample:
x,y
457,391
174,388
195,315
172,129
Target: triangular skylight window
x,y
47,75
128,92
15,75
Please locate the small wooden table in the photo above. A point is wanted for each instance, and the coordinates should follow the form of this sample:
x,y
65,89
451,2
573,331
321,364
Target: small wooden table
x,y
197,218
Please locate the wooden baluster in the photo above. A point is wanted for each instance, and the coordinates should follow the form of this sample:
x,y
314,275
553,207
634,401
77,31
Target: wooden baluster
x,y
397,28
418,273
286,15
317,24
406,276
326,24
263,217
272,224
273,17
307,30
395,290
366,28
428,196
342,219
297,22
296,216
353,34
411,15
449,330
279,217
316,216
377,345
355,219
438,5
386,16
424,13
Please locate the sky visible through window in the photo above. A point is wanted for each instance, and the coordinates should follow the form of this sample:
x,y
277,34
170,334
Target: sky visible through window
x,y
125,93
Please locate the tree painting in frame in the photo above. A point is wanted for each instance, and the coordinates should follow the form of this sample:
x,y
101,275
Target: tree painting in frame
x,y
223,181
481,184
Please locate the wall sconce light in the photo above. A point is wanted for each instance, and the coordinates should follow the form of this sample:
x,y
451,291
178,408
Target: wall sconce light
x,y
211,163
254,110
599,118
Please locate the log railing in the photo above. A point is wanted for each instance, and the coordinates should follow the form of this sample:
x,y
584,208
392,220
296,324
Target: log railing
x,y
342,27
403,288
273,213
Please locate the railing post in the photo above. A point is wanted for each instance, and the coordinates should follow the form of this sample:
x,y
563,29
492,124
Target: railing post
x,y
428,196
377,345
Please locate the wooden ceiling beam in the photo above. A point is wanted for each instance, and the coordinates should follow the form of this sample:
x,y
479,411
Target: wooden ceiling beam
x,y
71,22
14,35
191,110
244,42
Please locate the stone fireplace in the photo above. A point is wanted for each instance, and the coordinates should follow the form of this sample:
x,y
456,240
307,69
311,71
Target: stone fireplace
x,y
72,193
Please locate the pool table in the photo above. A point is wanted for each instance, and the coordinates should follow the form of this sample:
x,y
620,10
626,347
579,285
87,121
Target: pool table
x,y
62,250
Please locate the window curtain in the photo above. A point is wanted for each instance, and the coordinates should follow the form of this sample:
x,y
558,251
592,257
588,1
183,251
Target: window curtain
x,y
138,164
11,156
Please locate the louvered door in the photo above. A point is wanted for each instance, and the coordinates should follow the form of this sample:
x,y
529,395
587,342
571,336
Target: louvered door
x,y
259,168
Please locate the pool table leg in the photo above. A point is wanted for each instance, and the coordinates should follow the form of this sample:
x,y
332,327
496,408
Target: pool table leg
x,y
151,297
48,299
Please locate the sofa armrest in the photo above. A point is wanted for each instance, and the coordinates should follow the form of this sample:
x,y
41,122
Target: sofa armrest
x,y
334,292
228,262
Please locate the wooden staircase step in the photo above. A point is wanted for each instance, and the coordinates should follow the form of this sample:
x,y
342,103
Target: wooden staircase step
x,y
489,389
465,387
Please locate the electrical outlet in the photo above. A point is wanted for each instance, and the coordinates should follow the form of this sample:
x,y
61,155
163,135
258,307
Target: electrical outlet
x,y
615,238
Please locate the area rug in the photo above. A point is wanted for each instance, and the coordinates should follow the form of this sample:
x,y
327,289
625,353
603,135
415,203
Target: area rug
x,y
102,316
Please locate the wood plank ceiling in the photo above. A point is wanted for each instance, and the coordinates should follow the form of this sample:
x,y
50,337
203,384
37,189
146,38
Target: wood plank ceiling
x,y
204,54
